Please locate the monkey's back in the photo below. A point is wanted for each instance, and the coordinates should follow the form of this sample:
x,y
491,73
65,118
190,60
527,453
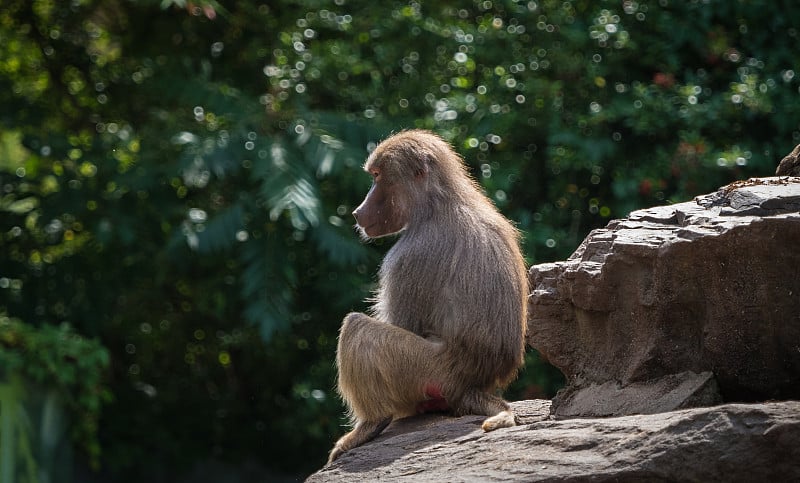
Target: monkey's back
x,y
460,277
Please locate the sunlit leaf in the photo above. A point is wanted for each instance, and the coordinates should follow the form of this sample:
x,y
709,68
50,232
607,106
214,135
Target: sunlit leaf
x,y
10,204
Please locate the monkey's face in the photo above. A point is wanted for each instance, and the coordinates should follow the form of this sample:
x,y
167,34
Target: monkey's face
x,y
383,211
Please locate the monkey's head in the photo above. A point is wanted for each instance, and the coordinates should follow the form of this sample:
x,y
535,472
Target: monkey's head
x,y
411,171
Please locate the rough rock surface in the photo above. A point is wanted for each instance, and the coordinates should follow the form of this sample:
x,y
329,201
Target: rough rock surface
x,y
678,306
790,164
735,442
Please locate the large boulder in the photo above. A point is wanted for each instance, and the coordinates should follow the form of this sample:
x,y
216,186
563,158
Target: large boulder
x,y
730,443
678,306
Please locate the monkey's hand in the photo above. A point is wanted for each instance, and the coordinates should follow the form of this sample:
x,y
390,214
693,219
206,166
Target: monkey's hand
x,y
503,419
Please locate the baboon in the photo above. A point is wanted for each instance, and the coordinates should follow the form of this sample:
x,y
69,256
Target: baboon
x,y
447,326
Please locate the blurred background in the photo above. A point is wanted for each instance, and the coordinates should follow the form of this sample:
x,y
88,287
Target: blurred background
x,y
176,182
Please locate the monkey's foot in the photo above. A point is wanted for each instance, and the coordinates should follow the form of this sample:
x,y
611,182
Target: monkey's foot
x,y
503,419
363,431
335,453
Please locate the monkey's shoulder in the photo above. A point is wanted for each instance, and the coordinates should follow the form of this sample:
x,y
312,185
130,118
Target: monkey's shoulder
x,y
483,248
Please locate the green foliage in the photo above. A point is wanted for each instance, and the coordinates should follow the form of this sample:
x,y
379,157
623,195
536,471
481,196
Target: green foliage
x,y
177,177
57,357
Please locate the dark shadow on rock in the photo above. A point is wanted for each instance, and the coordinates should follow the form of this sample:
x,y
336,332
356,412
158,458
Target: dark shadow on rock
x,y
403,436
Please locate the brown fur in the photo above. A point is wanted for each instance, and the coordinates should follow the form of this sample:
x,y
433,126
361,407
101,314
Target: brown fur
x,y
448,320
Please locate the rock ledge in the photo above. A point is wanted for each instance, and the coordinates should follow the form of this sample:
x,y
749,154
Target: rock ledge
x,y
734,442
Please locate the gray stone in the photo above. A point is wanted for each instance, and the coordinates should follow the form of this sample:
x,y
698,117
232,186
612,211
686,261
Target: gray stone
x,y
709,286
675,391
730,443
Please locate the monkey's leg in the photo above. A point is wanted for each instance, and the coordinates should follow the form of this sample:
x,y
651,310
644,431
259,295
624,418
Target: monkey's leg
x,y
383,371
362,433
498,410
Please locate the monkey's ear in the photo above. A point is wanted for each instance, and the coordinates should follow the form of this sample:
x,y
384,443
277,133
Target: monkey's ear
x,y
423,170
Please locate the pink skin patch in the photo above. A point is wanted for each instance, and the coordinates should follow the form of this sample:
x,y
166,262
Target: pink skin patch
x,y
435,402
